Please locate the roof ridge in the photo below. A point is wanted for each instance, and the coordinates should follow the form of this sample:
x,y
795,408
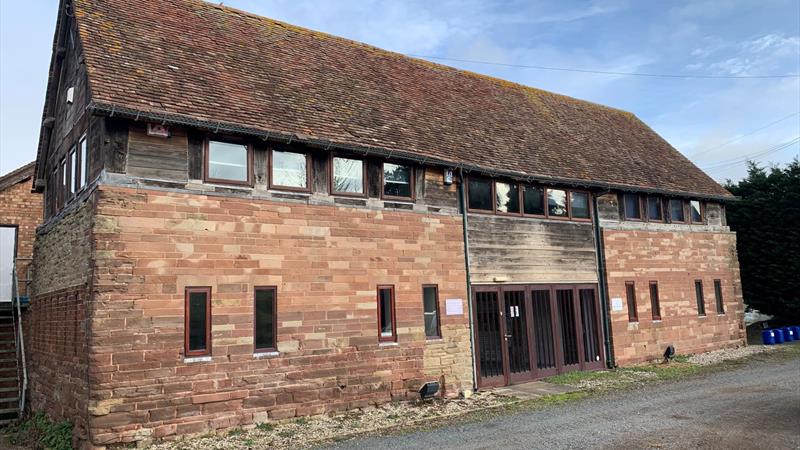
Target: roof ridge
x,y
17,175
402,56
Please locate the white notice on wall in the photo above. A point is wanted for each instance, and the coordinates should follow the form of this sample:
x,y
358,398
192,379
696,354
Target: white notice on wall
x,y
454,306
616,304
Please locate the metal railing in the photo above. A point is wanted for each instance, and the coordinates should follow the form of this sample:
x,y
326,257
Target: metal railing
x,y
19,340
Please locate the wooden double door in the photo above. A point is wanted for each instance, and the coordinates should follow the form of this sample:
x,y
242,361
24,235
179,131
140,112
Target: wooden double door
x,y
526,332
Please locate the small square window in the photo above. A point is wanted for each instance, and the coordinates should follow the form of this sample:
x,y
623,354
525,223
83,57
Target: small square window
x,y
579,204
289,170
557,203
507,197
676,213
348,176
533,200
228,163
398,181
430,303
654,211
696,210
632,207
480,194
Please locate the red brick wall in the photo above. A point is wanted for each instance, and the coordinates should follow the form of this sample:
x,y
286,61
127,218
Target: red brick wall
x,y
674,260
19,206
326,262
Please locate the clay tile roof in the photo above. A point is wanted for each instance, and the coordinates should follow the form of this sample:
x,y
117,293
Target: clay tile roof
x,y
217,64
17,176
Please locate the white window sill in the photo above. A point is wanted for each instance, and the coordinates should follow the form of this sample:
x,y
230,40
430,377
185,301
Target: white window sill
x,y
434,340
197,359
657,321
264,355
388,344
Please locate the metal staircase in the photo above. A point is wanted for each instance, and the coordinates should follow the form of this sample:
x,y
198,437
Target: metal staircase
x,y
13,372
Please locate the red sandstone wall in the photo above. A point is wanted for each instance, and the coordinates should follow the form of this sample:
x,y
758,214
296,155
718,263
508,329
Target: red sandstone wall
x,y
326,262
675,260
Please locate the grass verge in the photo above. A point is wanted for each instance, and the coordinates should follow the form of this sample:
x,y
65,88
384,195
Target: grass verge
x,y
40,433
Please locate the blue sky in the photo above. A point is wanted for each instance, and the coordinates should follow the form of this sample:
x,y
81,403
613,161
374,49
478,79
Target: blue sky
x,y
715,122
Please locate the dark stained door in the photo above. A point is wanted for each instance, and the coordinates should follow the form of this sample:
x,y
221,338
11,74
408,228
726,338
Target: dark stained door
x,y
590,329
544,333
516,338
568,318
489,337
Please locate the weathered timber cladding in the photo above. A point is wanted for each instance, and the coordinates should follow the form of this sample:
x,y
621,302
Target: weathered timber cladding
x,y
524,250
157,157
326,262
674,260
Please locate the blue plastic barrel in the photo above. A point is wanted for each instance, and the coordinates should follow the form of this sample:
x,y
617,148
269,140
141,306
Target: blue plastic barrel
x,y
788,334
796,333
778,335
768,337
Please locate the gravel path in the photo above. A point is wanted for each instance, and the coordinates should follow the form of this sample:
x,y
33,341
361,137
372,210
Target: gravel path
x,y
753,406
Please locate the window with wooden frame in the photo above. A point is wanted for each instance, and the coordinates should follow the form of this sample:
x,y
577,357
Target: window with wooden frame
x,y
397,181
64,183
265,319
197,324
348,176
579,208
73,171
506,197
430,314
655,304
387,328
84,162
718,297
655,209
632,207
533,200
228,163
696,211
676,212
630,294
698,293
480,192
557,203
289,170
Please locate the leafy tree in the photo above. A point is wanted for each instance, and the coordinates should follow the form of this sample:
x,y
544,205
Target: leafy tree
x,y
767,224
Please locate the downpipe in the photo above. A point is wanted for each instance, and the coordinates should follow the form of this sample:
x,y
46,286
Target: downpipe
x,y
601,281
463,205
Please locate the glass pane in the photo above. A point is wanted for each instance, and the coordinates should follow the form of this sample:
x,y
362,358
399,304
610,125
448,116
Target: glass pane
x,y
73,169
197,321
507,197
632,206
480,194
676,210
84,163
385,311
396,180
289,169
227,161
579,202
701,305
265,320
654,208
8,241
533,199
348,175
431,311
695,208
557,202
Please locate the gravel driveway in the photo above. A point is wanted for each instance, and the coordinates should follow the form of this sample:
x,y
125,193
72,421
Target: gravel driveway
x,y
753,406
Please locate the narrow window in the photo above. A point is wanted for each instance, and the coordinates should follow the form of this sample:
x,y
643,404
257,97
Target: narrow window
x,y
398,181
557,203
289,170
228,163
84,162
507,197
654,301
430,303
480,194
654,211
698,292
718,297
387,331
348,176
73,171
697,212
533,200
630,293
676,210
198,321
64,182
265,316
579,205
632,207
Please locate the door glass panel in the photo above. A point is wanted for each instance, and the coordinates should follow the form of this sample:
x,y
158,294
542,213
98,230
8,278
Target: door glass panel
x,y
543,330
489,338
567,317
517,332
591,340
